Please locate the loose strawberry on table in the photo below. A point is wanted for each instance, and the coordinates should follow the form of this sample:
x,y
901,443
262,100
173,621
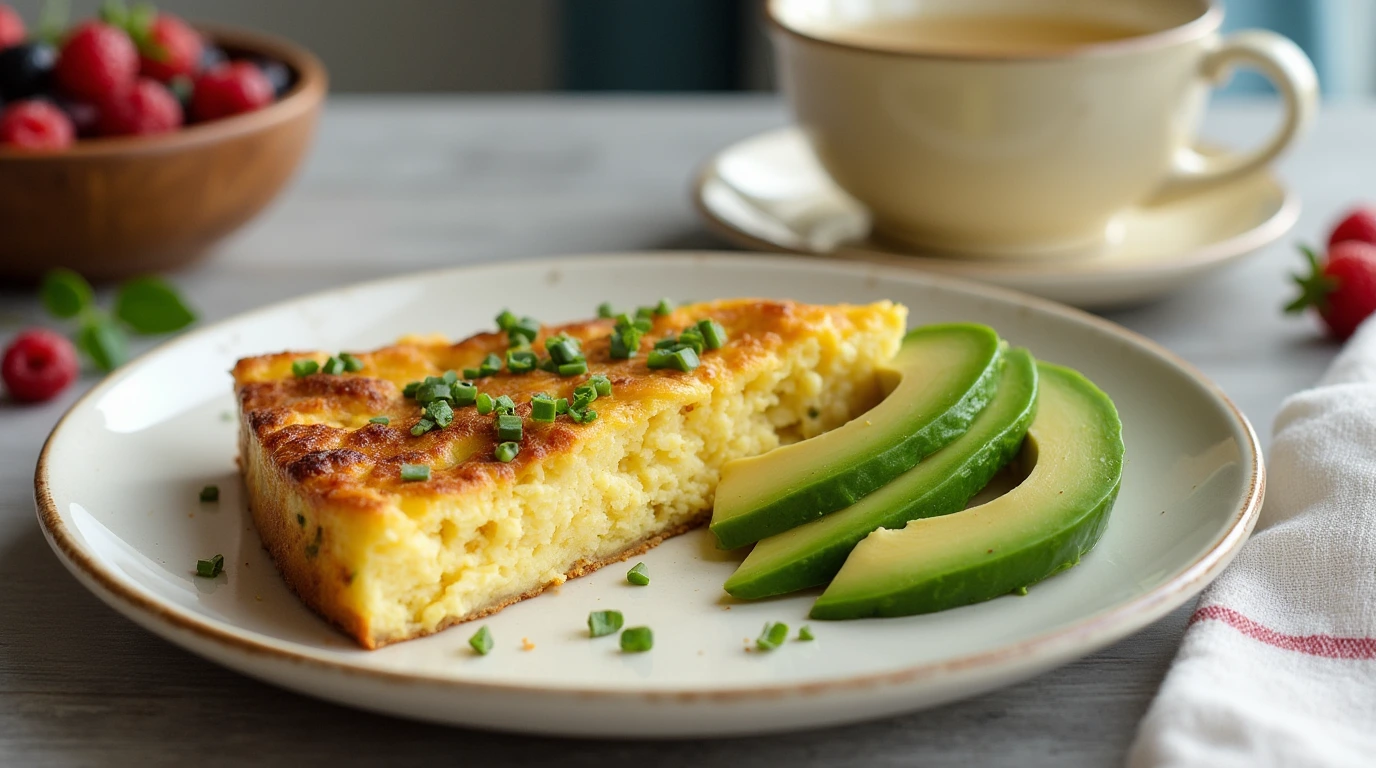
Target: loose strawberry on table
x,y
1341,288
1359,224
36,125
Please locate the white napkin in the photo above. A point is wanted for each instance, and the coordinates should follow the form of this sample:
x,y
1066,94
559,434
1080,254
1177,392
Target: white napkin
x,y
1278,667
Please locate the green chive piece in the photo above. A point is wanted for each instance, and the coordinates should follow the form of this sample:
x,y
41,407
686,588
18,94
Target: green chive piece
x,y
422,426
522,332
210,493
304,367
563,349
333,366
683,359
583,394
548,364
485,404
561,405
481,641
465,393
509,427
638,575
434,390
601,384
603,623
664,307
605,310
505,452
379,420
668,342
440,412
712,333
351,363
472,373
490,365
586,416
575,368
521,360
504,404
625,342
411,389
693,338
506,320
774,635
543,409
209,569
805,634
414,472
450,377
637,640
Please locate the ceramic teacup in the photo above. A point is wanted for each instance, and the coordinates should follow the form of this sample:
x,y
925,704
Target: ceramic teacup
x,y
1010,150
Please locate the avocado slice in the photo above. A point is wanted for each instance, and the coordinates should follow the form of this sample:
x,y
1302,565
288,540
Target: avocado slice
x,y
1035,530
940,484
945,375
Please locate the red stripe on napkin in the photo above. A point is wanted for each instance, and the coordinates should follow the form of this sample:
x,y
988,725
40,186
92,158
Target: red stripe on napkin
x,y
1315,645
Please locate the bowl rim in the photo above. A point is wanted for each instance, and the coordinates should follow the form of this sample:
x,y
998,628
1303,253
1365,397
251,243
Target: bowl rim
x,y
305,95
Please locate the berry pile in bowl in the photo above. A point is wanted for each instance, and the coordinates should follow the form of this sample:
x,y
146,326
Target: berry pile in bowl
x,y
134,141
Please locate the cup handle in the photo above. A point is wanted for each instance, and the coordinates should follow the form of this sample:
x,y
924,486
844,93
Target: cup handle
x,y
1286,66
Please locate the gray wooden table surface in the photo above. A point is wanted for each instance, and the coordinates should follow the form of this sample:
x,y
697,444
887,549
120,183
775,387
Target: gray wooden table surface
x,y
408,184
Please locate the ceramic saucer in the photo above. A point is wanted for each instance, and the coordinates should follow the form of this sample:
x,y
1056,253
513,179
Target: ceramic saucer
x,y
769,193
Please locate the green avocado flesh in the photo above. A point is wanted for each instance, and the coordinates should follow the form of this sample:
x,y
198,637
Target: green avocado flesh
x,y
1035,530
946,375
939,485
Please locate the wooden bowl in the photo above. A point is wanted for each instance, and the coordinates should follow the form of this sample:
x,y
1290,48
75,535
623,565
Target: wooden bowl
x,y
111,208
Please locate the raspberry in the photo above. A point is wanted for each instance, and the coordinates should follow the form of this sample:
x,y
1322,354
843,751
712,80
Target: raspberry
x,y
230,89
38,125
38,365
171,49
145,109
11,27
97,62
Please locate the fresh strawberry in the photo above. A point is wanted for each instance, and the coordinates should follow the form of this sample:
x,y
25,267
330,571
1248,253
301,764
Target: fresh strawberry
x,y
1358,224
1342,289
146,109
97,62
12,30
170,49
230,89
38,365
36,125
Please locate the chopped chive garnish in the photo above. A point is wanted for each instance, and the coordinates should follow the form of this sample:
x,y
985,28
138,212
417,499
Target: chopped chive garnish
x,y
548,364
509,427
472,373
210,493
506,320
440,412
644,313
379,420
638,575
489,366
422,426
601,384
692,338
333,366
605,310
465,393
485,404
585,416
664,307
543,409
805,634
504,404
414,472
774,635
712,333
575,368
526,328
603,623
583,394
505,452
434,389
450,377
303,367
637,640
351,363
683,359
668,342
563,349
561,405
211,568
625,342
481,641
411,389
521,360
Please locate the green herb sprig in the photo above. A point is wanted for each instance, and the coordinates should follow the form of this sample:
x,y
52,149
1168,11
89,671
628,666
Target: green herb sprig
x,y
146,306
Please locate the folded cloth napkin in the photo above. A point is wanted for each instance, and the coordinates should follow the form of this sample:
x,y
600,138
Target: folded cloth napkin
x,y
1278,666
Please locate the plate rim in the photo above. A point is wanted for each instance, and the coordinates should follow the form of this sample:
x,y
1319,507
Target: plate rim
x,y
1215,254
1046,648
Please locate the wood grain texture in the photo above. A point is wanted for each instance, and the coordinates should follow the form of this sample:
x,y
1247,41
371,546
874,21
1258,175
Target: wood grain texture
x,y
404,184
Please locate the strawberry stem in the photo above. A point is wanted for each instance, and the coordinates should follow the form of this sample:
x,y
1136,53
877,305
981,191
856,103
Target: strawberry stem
x,y
1314,287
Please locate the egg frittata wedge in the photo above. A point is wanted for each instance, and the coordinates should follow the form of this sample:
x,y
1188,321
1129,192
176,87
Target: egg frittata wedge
x,y
394,516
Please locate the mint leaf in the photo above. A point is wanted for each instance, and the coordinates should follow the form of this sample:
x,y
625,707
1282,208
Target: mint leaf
x,y
150,305
65,293
115,13
103,342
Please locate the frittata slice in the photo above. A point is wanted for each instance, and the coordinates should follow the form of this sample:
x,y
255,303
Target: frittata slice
x,y
389,559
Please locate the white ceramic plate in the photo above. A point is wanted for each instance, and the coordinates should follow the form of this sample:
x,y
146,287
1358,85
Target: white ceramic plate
x,y
117,497
769,193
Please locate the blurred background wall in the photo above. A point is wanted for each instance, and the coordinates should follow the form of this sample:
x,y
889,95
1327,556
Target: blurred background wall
x,y
656,45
